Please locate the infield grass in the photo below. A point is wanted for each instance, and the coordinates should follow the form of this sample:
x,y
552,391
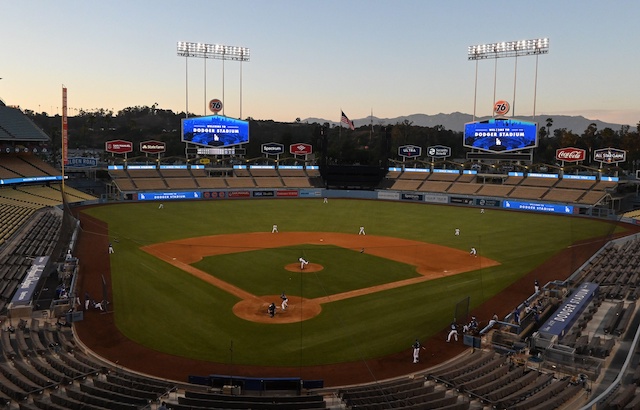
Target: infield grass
x,y
169,310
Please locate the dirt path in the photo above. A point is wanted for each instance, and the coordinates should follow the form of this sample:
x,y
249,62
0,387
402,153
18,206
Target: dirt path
x,y
431,262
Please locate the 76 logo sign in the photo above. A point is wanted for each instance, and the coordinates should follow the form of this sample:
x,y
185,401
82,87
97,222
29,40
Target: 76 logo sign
x,y
501,107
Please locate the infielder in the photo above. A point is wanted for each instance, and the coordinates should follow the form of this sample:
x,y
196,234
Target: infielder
x,y
274,229
361,232
285,301
303,262
416,350
473,252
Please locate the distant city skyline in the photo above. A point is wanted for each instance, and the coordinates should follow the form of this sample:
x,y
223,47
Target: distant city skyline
x,y
316,59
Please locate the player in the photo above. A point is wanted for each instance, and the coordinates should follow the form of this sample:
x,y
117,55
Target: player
x,y
453,332
416,350
303,262
271,310
473,252
161,206
274,229
457,232
361,232
326,200
481,210
285,301
536,286
111,248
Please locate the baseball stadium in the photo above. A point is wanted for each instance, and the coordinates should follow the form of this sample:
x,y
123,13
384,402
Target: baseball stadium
x,y
158,291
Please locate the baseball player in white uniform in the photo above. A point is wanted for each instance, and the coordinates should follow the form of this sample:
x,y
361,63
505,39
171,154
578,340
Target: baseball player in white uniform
x,y
285,301
361,232
457,232
416,350
473,252
453,333
274,229
303,263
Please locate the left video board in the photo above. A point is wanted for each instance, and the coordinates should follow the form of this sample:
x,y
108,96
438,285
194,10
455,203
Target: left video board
x,y
215,131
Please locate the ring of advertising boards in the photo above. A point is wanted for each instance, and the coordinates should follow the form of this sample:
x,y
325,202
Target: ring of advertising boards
x,y
215,131
501,135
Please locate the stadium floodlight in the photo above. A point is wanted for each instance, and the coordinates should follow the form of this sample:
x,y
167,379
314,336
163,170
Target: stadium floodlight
x,y
217,52
509,49
503,49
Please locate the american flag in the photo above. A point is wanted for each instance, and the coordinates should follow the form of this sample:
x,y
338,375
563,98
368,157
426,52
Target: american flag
x,y
346,120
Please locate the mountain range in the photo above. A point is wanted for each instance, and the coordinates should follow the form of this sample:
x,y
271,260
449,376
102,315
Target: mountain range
x,y
456,120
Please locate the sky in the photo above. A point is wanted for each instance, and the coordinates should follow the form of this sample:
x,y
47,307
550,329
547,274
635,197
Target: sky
x,y
315,59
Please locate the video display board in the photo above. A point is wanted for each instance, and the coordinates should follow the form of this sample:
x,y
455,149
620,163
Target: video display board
x,y
501,135
215,131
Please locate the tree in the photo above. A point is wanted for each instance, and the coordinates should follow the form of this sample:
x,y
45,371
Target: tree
x,y
549,124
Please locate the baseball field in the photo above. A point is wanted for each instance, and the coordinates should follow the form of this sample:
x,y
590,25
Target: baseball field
x,y
193,280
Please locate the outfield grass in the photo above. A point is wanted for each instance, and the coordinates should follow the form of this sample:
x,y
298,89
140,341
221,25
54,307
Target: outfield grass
x,y
168,310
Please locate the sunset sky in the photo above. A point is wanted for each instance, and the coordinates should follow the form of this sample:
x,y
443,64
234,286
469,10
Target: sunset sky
x,y
314,59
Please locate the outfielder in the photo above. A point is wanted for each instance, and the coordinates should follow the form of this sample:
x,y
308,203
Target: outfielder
x,y
303,262
416,350
457,232
453,333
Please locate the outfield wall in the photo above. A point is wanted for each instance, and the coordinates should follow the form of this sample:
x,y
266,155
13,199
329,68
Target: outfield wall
x,y
388,195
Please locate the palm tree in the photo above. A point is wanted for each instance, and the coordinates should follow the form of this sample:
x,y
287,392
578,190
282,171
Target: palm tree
x,y
549,124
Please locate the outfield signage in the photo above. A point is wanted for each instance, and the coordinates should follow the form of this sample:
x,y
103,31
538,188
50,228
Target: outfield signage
x,y
82,162
582,177
153,147
540,175
488,202
460,200
412,197
388,195
118,146
287,193
24,293
609,155
500,135
538,207
10,181
272,148
571,154
239,194
436,198
262,194
158,196
438,151
310,193
220,151
214,194
409,151
300,149
573,306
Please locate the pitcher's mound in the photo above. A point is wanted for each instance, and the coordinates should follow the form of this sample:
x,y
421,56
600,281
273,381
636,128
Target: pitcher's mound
x,y
255,309
310,267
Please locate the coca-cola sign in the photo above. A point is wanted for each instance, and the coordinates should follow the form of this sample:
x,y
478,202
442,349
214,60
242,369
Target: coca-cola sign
x,y
571,154
609,155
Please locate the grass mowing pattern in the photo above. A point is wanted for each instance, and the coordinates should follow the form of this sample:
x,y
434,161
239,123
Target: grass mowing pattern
x,y
262,272
168,310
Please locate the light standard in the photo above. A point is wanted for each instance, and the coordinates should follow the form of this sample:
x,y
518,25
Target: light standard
x,y
215,51
507,49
